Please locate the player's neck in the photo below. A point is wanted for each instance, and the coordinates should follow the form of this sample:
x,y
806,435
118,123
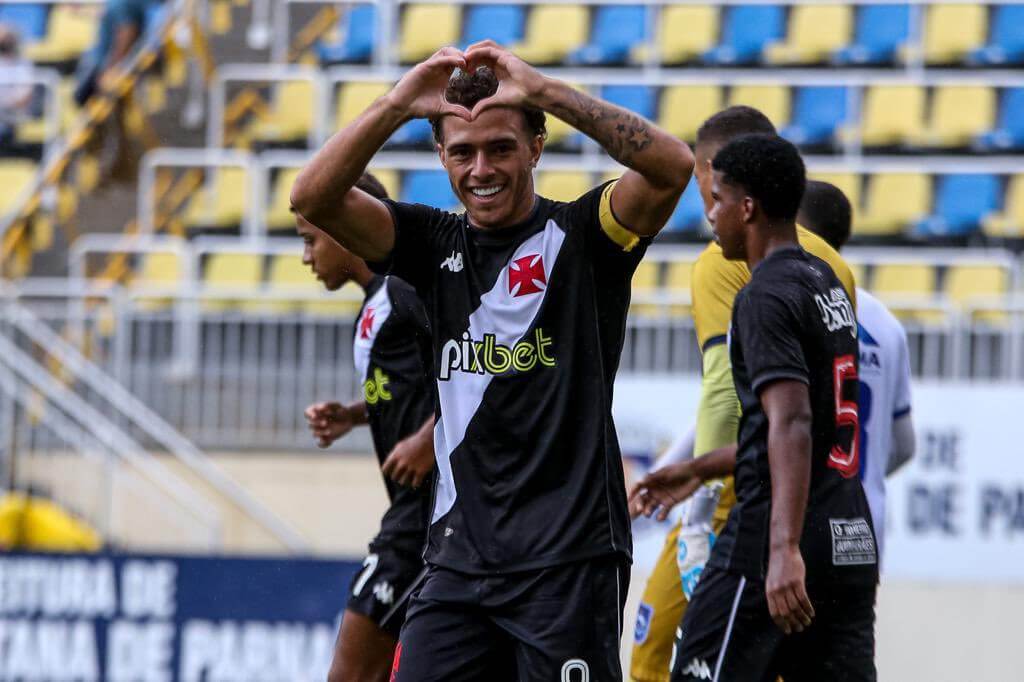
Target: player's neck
x,y
768,238
363,276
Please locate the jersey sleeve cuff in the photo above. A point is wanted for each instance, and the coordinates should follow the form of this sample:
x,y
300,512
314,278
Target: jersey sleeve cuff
x,y
714,341
616,231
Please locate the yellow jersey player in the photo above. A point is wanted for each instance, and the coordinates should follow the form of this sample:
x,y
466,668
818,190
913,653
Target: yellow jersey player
x,y
715,283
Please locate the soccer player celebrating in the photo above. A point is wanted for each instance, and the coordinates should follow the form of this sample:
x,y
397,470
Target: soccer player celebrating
x,y
714,286
391,347
790,586
886,426
529,545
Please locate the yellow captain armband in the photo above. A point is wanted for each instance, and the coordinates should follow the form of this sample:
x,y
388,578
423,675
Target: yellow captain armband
x,y
615,230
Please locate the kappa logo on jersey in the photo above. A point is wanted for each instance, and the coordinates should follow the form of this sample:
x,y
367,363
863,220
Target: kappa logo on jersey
x,y
526,275
453,262
366,324
837,312
384,592
698,669
490,357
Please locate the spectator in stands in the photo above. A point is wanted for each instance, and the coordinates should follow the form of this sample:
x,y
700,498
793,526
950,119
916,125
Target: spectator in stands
x,y
122,24
15,96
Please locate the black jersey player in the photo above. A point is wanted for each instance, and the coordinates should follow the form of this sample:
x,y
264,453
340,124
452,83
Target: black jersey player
x,y
790,585
391,348
529,543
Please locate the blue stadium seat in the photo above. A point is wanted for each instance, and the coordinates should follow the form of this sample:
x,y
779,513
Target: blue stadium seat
x,y
961,202
430,187
1006,38
748,28
638,98
358,29
817,113
501,23
881,30
1009,133
415,133
689,213
28,20
617,28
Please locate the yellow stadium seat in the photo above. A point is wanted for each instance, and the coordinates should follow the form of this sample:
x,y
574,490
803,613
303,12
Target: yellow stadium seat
x,y
978,283
291,114
860,273
279,214
227,204
908,288
684,33
231,271
425,28
894,200
563,185
892,114
157,269
15,178
552,31
684,108
772,100
1010,221
390,178
959,114
677,281
951,32
645,284
815,31
354,98
71,31
289,277
848,184
345,301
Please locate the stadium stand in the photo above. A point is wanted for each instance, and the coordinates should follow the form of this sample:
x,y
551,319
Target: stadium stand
x,y
357,34
814,33
684,32
891,116
962,200
1008,134
684,107
1005,46
893,202
617,30
501,23
818,114
70,31
881,32
1009,222
951,33
552,32
747,30
959,115
425,28
29,20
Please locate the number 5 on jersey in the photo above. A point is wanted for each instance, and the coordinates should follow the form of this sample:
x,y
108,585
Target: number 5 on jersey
x,y
845,456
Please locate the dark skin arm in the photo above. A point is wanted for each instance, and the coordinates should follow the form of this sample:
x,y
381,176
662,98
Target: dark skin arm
x,y
663,489
412,458
329,421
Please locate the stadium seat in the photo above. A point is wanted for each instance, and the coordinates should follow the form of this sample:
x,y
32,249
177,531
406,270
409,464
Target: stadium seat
x,y
1010,221
425,28
684,32
748,28
859,270
288,276
29,20
617,28
818,113
637,98
358,29
157,269
959,114
414,133
15,178
683,108
771,100
242,271
279,215
552,32
893,201
291,114
892,115
951,33
1009,133
901,285
815,32
882,31
677,283
689,213
501,23
430,187
645,283
345,301
962,201
354,98
848,184
226,206
970,281
563,185
71,31
390,179
1005,45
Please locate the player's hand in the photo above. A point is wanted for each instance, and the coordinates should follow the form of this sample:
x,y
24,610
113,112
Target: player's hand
x,y
660,490
329,421
518,83
786,590
420,92
410,461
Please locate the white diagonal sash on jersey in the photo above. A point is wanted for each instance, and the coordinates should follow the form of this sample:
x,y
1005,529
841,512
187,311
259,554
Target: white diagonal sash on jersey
x,y
508,318
379,306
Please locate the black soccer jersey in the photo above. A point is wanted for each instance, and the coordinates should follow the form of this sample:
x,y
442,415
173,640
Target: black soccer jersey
x,y
391,347
795,321
528,323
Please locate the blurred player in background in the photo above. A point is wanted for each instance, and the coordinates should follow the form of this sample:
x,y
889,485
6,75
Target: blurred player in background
x,y
528,553
391,347
886,426
715,283
790,585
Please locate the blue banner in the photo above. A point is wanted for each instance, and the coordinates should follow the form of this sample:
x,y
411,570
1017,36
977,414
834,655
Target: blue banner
x,y
134,618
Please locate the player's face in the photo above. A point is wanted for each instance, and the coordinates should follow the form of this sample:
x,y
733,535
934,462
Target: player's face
x,y
729,215
329,261
704,153
490,164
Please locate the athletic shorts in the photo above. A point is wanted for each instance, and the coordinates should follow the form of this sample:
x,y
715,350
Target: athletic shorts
x,y
561,623
381,590
658,616
728,634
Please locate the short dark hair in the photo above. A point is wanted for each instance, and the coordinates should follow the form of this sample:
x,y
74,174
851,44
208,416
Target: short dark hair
x,y
826,211
372,186
469,88
769,168
732,122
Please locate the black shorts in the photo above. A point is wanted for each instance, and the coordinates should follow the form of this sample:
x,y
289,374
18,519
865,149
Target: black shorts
x,y
561,623
381,589
728,634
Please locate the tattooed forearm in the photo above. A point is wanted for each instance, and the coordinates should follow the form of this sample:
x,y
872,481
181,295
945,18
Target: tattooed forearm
x,y
621,133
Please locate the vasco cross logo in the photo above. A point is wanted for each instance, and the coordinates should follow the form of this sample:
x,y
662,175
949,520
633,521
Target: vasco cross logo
x,y
490,357
366,324
526,275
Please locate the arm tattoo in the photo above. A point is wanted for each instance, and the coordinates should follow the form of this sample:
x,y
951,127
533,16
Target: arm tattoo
x,y
620,132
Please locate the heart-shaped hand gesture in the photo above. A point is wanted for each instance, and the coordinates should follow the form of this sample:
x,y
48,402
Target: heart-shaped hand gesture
x,y
420,92
519,84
